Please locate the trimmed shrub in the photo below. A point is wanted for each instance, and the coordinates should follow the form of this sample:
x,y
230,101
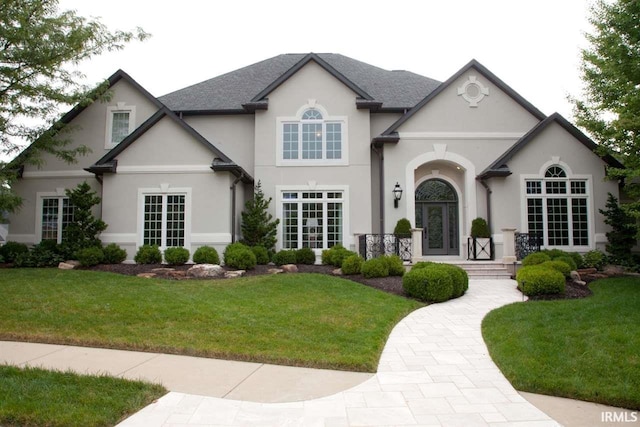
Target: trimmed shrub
x,y
537,280
10,250
535,259
262,254
305,256
577,258
206,255
285,256
431,284
459,278
44,254
352,264
239,256
594,259
394,264
148,254
554,253
567,260
89,257
422,264
480,228
114,254
559,266
325,257
376,267
176,256
403,228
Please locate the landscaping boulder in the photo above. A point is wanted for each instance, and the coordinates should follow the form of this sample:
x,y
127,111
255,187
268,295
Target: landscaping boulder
x,y
162,270
234,274
580,282
275,271
147,275
575,276
205,271
289,268
613,270
68,265
337,272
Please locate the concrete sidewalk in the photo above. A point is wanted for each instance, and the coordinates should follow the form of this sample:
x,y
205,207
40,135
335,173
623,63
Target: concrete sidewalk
x,y
255,382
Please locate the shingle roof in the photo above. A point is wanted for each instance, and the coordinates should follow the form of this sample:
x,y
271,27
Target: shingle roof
x,y
396,90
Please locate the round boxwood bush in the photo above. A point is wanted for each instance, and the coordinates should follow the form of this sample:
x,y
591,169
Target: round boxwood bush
x,y
480,228
376,267
285,256
554,253
114,254
403,228
538,280
91,256
262,254
237,255
206,255
335,255
577,258
594,259
148,254
352,264
421,264
535,259
559,266
567,260
10,250
176,256
394,264
431,284
305,256
459,277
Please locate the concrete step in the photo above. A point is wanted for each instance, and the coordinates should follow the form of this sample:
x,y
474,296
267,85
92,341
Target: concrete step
x,y
483,270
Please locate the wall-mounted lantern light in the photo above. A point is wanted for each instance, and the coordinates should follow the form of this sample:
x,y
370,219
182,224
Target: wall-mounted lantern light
x,y
397,195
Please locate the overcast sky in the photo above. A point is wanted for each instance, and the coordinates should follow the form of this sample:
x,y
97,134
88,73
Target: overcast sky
x,y
532,45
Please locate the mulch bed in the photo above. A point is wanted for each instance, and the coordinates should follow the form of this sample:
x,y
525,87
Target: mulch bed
x,y
392,284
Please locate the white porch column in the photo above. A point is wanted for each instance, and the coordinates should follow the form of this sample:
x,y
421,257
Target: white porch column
x,y
416,244
508,246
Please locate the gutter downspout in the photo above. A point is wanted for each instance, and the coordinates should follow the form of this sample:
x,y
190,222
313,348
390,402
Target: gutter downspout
x,y
233,207
379,150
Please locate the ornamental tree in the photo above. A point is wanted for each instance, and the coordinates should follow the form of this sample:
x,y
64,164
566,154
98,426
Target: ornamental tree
x,y
258,226
84,230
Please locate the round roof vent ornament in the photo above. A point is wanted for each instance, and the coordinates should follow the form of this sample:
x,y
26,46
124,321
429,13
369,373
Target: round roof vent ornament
x,y
473,91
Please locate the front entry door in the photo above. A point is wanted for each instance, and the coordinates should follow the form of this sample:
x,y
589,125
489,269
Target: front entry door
x,y
435,240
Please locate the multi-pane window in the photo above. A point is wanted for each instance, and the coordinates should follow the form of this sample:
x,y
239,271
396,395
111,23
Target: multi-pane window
x,y
57,214
557,209
312,219
164,220
312,138
119,126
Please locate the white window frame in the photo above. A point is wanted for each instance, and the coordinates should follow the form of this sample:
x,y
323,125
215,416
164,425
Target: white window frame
x,y
40,196
570,176
326,119
344,189
120,107
164,190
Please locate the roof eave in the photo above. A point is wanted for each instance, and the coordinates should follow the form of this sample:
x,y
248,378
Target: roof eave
x,y
109,167
368,104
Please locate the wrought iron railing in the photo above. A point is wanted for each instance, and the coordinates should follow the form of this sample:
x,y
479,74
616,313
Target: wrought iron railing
x,y
527,243
374,245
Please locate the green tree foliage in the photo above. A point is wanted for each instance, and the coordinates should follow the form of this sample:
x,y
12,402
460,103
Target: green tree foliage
x,y
623,231
40,47
610,110
84,230
258,226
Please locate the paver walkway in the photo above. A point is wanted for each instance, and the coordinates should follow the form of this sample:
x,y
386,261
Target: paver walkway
x,y
435,370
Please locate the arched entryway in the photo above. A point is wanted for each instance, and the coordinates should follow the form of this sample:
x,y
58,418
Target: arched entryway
x,y
437,214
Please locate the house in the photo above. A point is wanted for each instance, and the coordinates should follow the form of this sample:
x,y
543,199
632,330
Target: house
x,y
330,138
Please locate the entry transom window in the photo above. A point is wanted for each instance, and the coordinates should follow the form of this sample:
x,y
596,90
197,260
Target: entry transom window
x,y
164,220
314,138
558,208
57,214
312,219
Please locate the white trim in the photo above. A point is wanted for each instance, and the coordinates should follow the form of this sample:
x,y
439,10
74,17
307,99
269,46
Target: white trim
x,y
210,238
164,189
347,239
172,169
57,174
326,118
120,107
468,199
40,195
119,238
21,238
461,237
460,135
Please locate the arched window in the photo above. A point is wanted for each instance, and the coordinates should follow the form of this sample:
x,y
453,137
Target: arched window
x,y
435,190
313,137
558,208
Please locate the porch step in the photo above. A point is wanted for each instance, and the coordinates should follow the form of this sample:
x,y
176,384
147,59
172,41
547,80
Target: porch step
x,y
482,270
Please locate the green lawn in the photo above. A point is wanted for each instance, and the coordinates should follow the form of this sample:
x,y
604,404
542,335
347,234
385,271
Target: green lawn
x,y
35,397
587,349
293,319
